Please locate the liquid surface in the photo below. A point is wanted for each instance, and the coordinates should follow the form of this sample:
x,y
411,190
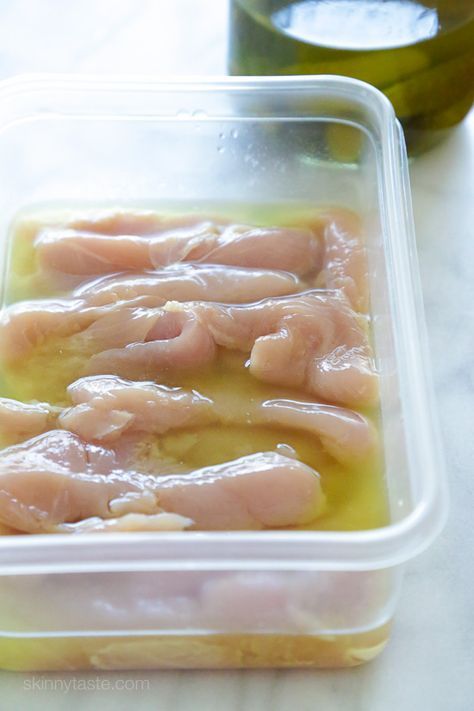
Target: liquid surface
x,y
354,491
357,24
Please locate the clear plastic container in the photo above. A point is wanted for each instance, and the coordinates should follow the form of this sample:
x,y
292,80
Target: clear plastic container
x,y
230,599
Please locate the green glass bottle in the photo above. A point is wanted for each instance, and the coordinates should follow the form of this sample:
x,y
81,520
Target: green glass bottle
x,y
419,53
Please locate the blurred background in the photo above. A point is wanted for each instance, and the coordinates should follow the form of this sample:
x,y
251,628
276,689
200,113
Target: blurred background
x,y
113,36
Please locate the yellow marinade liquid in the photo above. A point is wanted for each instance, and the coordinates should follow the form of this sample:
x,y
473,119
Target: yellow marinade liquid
x,y
356,497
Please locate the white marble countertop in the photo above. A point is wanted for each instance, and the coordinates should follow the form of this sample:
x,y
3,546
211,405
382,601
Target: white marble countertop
x,y
429,662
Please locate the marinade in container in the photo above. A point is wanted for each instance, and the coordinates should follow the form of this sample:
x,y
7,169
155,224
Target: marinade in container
x,y
221,598
86,307
420,54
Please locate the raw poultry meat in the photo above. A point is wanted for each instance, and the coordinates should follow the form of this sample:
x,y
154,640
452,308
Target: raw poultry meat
x,y
19,420
29,323
57,478
345,434
106,407
149,302
312,341
344,262
71,252
190,282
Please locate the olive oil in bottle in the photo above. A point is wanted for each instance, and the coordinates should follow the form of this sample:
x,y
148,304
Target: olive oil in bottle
x,y
420,53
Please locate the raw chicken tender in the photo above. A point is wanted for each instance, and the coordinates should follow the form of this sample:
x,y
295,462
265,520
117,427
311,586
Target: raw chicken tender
x,y
110,241
312,341
190,282
295,250
264,490
62,251
19,420
90,328
130,230
257,600
56,478
29,323
105,407
161,341
344,264
345,434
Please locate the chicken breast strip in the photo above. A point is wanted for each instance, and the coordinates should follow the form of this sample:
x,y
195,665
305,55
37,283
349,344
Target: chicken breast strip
x,y
106,407
344,262
57,478
65,253
122,298
312,341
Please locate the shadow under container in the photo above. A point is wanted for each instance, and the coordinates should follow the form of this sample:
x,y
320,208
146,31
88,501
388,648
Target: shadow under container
x,y
227,599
